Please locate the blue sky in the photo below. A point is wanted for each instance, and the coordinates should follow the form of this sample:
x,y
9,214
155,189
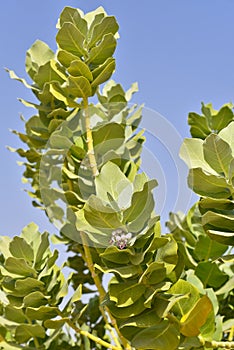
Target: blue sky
x,y
180,52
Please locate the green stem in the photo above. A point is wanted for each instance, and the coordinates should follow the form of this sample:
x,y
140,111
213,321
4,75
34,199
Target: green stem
x,y
92,337
227,345
91,155
89,260
88,256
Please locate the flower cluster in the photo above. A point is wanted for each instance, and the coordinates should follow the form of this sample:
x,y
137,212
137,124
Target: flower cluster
x,y
120,238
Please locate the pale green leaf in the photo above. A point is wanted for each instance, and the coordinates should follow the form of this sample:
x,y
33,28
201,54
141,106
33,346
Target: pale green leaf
x,y
49,72
103,73
78,87
69,38
217,153
106,26
78,68
72,15
38,55
118,186
208,185
66,58
191,152
19,248
23,81
227,135
102,51
183,306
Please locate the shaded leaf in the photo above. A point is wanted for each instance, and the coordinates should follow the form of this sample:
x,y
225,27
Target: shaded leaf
x,y
164,336
26,332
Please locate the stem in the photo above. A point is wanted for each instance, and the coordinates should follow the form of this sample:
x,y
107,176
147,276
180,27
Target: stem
x,y
88,256
228,345
91,155
92,337
101,291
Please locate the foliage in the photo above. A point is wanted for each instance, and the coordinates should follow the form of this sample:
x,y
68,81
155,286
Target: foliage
x,y
82,158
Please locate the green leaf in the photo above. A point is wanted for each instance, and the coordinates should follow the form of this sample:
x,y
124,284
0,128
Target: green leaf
x,y
222,118
50,71
208,185
60,142
19,266
27,285
104,50
118,186
69,38
139,201
221,237
206,248
183,306
41,313
103,72
198,126
109,136
55,324
212,220
26,332
227,135
101,217
210,274
35,299
78,87
122,271
78,68
191,152
72,15
77,294
128,311
126,293
228,286
106,26
66,58
38,55
217,153
42,247
15,314
115,255
196,318
163,336
23,81
153,274
168,254
19,248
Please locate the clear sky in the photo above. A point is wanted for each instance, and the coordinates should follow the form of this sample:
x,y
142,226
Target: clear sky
x,y
180,52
